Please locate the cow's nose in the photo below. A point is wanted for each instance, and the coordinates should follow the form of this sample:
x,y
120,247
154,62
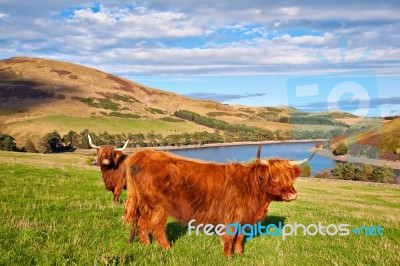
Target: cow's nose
x,y
292,196
105,161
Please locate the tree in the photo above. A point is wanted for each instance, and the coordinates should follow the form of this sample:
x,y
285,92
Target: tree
x,y
106,138
341,149
137,139
337,171
83,139
71,139
186,139
151,138
349,171
7,143
365,172
51,142
383,174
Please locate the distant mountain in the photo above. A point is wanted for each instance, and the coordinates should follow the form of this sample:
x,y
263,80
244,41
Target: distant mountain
x,y
41,95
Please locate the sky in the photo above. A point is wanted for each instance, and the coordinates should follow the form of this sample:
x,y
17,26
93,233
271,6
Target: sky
x,y
312,55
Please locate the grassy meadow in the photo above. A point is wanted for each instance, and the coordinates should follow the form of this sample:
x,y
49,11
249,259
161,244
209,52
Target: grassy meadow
x,y
54,210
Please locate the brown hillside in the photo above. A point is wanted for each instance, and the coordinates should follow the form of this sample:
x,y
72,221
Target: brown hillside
x,y
386,137
41,95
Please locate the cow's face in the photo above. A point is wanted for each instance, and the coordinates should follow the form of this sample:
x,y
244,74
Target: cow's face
x,y
277,178
108,156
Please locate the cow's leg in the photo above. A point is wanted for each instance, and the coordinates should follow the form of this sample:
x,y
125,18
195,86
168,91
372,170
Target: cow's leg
x,y
227,241
239,243
116,198
160,229
143,229
132,234
117,192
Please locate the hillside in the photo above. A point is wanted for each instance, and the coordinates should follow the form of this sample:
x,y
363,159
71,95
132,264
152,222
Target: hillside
x,y
41,95
383,137
386,138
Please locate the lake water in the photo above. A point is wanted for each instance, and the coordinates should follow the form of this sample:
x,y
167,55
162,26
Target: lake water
x,y
242,153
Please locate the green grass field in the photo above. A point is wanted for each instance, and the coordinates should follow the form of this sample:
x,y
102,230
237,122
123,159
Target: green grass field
x,y
59,213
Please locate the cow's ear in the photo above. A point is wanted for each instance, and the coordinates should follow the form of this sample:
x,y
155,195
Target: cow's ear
x,y
117,155
296,170
263,172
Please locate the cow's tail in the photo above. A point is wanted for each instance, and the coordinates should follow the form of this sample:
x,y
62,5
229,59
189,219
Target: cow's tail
x,y
131,213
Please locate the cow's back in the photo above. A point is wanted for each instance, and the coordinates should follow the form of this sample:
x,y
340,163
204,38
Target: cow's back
x,y
187,189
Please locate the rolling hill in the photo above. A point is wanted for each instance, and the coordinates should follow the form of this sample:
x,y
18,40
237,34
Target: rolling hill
x,y
381,140
41,95
386,138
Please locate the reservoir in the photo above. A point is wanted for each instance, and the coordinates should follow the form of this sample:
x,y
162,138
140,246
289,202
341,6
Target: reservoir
x,y
244,153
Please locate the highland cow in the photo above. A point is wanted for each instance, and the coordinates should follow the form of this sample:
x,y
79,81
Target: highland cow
x,y
160,185
111,161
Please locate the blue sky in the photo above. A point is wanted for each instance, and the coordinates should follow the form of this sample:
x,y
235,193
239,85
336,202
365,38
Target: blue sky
x,y
252,52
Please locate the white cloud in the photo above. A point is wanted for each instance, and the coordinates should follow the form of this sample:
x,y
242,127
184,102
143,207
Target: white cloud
x,y
139,22
289,11
89,16
206,37
307,39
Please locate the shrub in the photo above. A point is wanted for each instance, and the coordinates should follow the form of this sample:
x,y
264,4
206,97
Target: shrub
x,y
171,119
324,174
90,161
7,143
341,149
156,111
118,114
305,170
30,146
101,103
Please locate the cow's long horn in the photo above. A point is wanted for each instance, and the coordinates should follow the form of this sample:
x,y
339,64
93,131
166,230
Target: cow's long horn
x,y
91,143
258,152
124,147
292,163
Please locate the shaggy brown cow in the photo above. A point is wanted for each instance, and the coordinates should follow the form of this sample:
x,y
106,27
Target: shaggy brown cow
x,y
161,185
113,170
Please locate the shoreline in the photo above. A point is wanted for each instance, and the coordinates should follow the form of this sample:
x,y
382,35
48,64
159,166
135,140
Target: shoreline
x,y
352,159
241,143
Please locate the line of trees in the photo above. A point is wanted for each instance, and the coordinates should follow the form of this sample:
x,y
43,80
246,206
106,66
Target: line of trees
x,y
218,124
365,172
311,120
53,142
